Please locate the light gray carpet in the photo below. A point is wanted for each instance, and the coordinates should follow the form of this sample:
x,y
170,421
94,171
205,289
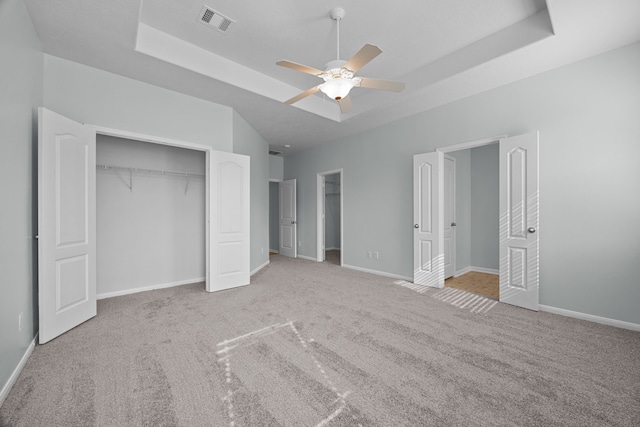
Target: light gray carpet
x,y
314,344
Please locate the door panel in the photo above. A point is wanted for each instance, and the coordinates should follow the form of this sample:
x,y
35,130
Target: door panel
x,y
428,206
229,229
519,234
288,219
66,224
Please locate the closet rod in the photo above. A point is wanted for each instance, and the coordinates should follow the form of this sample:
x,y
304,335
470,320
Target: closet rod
x,y
187,175
156,171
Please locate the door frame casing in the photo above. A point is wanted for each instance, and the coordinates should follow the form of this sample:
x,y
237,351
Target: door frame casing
x,y
320,205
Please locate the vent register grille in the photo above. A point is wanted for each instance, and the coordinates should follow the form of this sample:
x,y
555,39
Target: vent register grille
x,y
215,19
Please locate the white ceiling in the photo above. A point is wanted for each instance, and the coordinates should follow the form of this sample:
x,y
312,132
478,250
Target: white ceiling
x,y
444,50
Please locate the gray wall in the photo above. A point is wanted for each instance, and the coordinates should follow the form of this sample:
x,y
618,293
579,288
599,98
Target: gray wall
x,y
153,234
274,216
587,115
276,167
485,206
248,142
100,98
20,94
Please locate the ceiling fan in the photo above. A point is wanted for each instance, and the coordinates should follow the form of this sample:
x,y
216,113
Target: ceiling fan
x,y
338,75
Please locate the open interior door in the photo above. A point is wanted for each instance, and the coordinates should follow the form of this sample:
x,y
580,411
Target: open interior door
x,y
228,221
428,214
519,277
66,224
288,219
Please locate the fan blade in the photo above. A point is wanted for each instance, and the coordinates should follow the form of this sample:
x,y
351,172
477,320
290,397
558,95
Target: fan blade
x,y
362,57
381,84
303,95
300,67
345,104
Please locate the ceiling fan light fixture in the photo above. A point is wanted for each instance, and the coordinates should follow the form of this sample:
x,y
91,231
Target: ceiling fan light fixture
x,y
338,75
337,88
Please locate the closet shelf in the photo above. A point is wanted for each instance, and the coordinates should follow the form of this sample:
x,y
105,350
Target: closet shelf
x,y
131,170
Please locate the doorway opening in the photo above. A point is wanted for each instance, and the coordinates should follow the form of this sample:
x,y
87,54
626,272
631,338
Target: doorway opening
x,y
274,217
518,206
471,233
332,195
330,185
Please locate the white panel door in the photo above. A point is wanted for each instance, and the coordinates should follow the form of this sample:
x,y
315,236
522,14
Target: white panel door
x,y
428,204
66,224
519,278
449,212
228,257
288,219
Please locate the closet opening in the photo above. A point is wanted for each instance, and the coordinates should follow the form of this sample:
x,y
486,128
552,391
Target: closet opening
x,y
151,206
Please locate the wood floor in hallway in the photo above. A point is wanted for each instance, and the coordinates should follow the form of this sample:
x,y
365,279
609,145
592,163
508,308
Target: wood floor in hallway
x,y
484,284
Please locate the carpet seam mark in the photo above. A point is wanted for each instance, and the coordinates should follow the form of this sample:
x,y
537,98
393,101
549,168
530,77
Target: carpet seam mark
x,y
225,351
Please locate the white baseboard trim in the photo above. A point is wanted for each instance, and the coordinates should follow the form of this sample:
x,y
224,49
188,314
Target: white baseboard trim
x,y
149,288
274,250
307,258
16,372
260,267
378,273
331,249
477,270
590,317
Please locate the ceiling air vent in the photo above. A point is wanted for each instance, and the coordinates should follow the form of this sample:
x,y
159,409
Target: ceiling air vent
x,y
215,19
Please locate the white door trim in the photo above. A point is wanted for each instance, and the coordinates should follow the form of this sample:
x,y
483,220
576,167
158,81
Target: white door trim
x,y
320,210
471,144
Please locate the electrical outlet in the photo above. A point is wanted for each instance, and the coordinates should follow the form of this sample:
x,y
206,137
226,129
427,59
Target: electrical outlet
x,y
376,255
20,322
299,242
262,251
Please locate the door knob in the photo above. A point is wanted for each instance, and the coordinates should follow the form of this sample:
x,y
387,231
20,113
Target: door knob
x,y
453,224
531,230
293,222
416,226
